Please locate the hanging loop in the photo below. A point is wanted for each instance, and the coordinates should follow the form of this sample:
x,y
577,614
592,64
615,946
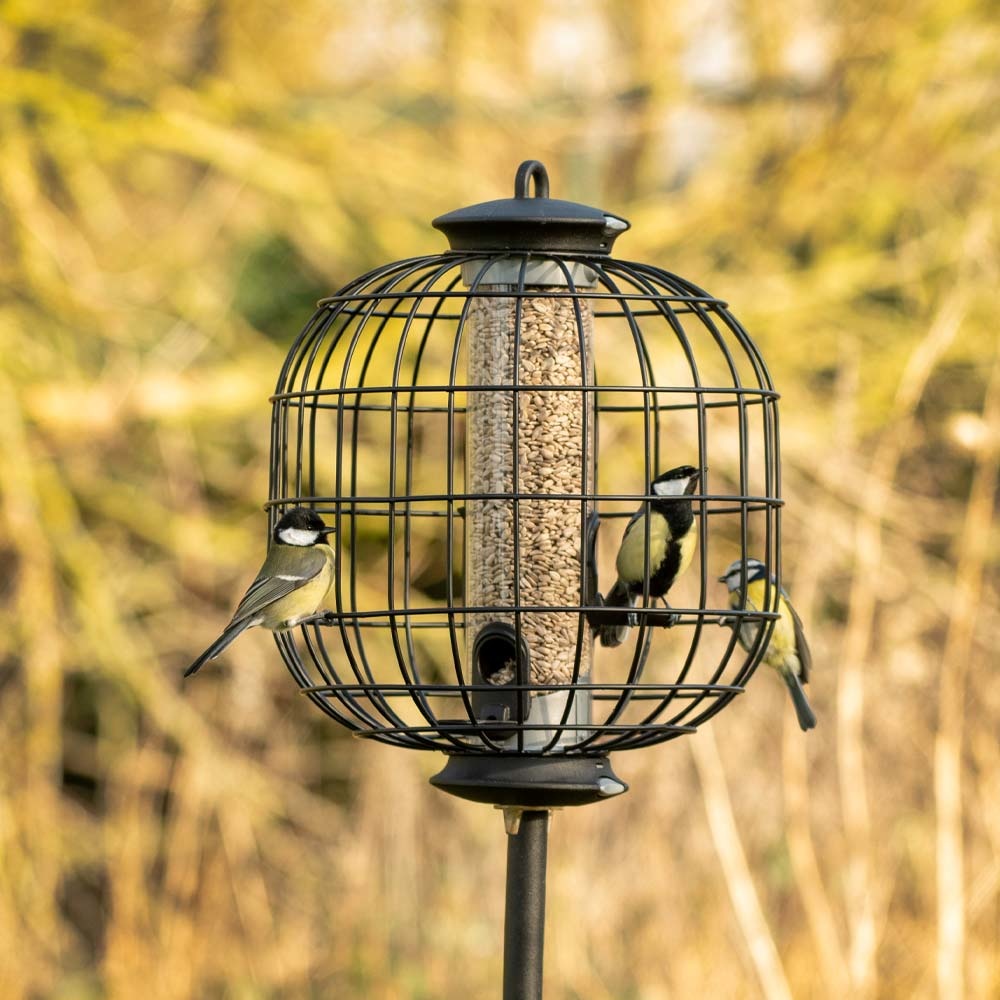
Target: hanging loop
x,y
531,221
531,169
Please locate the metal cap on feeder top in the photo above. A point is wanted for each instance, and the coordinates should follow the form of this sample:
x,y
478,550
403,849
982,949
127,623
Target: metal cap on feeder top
x,y
531,223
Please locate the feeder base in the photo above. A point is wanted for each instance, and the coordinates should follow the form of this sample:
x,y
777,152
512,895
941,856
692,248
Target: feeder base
x,y
529,782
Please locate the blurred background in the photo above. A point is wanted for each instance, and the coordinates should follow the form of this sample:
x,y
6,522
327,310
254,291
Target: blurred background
x,y
179,182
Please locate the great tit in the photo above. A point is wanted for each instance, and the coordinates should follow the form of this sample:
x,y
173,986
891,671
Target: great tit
x,y
671,547
788,651
291,585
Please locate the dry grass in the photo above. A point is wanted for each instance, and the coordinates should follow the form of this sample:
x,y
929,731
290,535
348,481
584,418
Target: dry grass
x,y
178,182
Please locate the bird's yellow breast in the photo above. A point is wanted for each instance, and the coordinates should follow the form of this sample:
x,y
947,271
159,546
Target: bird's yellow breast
x,y
305,600
631,561
687,546
782,652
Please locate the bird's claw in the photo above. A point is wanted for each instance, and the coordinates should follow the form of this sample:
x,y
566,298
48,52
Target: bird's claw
x,y
666,621
321,618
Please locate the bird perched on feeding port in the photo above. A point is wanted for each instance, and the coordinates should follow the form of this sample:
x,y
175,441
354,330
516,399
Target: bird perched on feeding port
x,y
291,585
787,651
671,547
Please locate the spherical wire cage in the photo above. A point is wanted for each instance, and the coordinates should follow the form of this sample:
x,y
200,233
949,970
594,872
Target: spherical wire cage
x,y
479,425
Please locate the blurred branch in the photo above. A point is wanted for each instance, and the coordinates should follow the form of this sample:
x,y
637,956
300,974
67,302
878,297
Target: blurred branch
x,y
808,878
864,896
973,556
729,847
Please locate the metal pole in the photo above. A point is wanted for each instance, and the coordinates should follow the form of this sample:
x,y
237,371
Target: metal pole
x,y
524,919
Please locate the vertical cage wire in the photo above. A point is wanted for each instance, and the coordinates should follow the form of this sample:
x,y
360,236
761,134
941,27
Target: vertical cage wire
x,y
420,410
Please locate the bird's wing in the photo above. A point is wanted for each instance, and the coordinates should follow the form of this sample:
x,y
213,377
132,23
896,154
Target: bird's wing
x,y
632,561
614,626
745,631
285,569
801,646
637,516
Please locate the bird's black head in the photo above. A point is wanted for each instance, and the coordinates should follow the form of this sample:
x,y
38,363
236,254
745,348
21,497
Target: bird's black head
x,y
300,526
682,481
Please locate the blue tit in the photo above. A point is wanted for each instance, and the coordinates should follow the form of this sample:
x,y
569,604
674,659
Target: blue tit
x,y
671,547
788,651
291,585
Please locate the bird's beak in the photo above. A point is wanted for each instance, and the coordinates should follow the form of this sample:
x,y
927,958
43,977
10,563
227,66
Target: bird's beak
x,y
722,579
329,531
692,484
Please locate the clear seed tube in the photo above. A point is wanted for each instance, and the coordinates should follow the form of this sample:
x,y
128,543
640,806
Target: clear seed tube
x,y
533,436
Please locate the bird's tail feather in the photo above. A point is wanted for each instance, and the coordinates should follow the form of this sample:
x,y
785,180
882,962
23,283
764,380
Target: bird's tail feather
x,y
614,626
231,632
806,716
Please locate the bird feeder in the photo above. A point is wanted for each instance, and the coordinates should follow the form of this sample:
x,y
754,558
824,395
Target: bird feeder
x,y
479,425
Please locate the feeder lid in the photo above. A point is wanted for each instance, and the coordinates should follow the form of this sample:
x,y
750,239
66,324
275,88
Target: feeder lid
x,y
538,223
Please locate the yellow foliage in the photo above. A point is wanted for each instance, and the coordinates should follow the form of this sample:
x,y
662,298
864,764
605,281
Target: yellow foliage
x,y
830,171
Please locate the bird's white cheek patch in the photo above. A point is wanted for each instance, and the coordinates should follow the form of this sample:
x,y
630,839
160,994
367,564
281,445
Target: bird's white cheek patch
x,y
671,488
297,536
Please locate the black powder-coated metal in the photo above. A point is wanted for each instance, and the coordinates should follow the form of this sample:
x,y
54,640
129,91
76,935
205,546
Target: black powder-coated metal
x,y
368,428
535,782
538,223
524,920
